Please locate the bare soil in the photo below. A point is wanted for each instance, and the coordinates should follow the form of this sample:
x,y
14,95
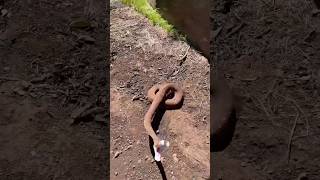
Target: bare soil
x,y
143,55
53,86
269,51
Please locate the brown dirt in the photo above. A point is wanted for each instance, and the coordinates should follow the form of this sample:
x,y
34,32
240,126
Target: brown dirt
x,y
142,56
272,62
47,72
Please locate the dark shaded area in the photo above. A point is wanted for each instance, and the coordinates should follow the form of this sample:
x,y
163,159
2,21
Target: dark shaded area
x,y
54,74
269,52
191,18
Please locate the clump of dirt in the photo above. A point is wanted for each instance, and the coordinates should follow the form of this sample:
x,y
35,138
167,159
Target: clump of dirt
x,y
141,56
269,51
53,89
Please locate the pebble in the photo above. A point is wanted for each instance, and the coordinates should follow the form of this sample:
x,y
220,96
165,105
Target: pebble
x,y
4,12
175,159
80,24
243,164
19,91
116,173
117,154
6,69
303,176
139,161
87,39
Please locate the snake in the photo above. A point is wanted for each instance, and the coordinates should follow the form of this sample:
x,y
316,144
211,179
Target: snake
x,y
158,95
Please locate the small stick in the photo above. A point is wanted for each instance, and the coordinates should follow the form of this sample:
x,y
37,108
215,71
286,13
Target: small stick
x,y
299,108
184,56
291,136
9,79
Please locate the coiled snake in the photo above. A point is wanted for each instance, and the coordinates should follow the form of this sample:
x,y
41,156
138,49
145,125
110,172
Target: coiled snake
x,y
159,94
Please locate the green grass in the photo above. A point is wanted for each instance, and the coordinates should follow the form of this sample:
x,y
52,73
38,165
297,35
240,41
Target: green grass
x,y
143,7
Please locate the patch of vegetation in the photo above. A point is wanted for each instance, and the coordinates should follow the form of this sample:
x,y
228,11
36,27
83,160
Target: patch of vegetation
x,y
143,7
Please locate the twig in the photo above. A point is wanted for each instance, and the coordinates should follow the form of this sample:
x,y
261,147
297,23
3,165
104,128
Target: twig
x,y
291,136
9,79
216,32
182,59
237,29
271,89
300,110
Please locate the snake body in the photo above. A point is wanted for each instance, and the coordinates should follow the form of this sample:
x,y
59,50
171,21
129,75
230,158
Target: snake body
x,y
157,95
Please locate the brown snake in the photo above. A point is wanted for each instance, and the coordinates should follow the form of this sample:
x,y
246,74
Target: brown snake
x,y
158,94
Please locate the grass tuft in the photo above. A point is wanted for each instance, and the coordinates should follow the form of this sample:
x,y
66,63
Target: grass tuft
x,y
143,7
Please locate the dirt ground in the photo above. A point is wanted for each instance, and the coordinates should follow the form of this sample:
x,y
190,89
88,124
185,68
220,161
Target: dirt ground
x,y
53,85
143,55
270,53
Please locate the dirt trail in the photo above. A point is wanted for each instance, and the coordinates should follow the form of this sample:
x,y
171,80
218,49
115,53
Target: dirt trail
x,y
143,55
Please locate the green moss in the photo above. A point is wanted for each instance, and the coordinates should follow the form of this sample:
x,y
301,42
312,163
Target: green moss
x,y
143,7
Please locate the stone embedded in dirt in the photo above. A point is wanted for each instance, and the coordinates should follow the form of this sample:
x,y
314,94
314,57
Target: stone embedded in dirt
x,y
19,91
305,78
80,24
116,173
127,148
175,158
6,69
87,39
146,158
100,118
77,112
4,12
25,85
315,12
302,176
117,154
243,164
40,79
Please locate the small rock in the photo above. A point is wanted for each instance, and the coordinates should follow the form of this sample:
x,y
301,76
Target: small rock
x,y
127,148
162,159
117,154
77,112
134,98
19,91
100,119
302,176
33,153
80,24
87,39
175,159
133,166
4,12
315,12
25,85
40,79
305,78
6,69
116,173
139,161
